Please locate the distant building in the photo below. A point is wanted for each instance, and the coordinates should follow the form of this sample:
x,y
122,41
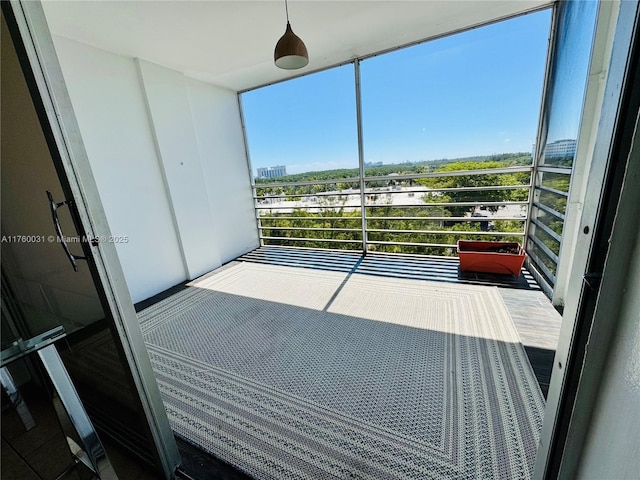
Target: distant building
x,y
560,149
372,164
272,172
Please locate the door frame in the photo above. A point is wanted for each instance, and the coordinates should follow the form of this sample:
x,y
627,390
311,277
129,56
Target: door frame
x,y
34,45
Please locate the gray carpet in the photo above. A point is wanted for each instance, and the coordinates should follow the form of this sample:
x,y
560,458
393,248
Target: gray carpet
x,y
290,373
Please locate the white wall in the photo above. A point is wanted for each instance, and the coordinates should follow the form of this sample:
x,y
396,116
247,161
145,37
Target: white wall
x,y
170,114
171,174
112,116
216,118
612,448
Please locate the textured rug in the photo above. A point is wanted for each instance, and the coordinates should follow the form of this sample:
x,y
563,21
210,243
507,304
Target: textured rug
x,y
290,373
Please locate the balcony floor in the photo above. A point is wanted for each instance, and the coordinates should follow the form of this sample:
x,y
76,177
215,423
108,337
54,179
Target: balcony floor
x,y
288,334
535,318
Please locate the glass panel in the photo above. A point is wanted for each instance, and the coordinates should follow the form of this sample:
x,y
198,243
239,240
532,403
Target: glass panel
x,y
541,256
450,105
553,200
304,125
557,181
465,101
304,130
568,80
40,289
549,220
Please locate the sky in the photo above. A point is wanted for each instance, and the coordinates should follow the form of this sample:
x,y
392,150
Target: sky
x,y
473,93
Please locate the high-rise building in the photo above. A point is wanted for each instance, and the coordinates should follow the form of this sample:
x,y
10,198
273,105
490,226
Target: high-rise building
x,y
560,148
272,172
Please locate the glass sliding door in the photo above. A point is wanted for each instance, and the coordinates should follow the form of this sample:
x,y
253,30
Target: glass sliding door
x,y
58,266
448,128
560,124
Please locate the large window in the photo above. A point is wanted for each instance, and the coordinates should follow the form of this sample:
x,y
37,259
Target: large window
x,y
559,136
303,146
448,128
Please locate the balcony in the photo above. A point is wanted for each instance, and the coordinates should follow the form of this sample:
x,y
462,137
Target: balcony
x,y
290,349
314,326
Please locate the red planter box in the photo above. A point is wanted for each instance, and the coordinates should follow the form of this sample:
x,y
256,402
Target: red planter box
x,y
489,257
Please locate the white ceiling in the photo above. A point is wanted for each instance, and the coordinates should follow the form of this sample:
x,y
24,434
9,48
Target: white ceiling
x,y
230,43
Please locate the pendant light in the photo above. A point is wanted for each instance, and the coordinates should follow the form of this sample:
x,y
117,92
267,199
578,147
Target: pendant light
x,y
290,52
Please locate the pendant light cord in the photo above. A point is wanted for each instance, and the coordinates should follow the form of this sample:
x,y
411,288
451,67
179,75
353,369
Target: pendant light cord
x,y
286,9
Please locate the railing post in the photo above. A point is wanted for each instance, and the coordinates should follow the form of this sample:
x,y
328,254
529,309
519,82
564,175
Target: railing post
x,y
363,210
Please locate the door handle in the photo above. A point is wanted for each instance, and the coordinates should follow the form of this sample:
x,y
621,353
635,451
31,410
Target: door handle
x,y
56,224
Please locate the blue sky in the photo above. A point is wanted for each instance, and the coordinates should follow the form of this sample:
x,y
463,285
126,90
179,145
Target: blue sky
x,y
473,93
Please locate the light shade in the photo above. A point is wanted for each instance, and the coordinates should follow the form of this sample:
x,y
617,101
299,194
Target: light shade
x,y
290,52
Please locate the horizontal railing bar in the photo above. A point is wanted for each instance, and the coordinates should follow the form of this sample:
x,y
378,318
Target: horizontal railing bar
x,y
288,217
448,219
305,253
546,229
552,169
303,239
488,188
552,190
450,204
444,232
422,205
539,264
309,182
409,176
547,251
321,229
458,173
333,207
306,195
549,210
411,244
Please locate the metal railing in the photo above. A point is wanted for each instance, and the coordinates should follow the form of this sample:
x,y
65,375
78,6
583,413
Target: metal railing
x,y
394,213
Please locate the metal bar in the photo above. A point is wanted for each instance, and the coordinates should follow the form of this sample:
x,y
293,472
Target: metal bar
x,y
325,207
449,204
446,232
421,205
414,244
313,217
448,219
372,191
452,189
322,229
554,169
252,180
16,400
549,210
458,173
309,182
547,251
69,397
303,239
363,212
538,264
305,195
445,219
546,229
552,190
